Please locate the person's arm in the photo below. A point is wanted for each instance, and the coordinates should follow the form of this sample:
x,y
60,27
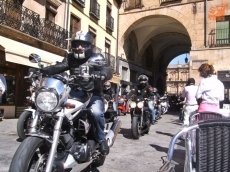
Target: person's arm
x,y
222,92
183,94
55,69
199,90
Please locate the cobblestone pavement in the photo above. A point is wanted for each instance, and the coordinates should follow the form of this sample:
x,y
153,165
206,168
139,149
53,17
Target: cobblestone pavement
x,y
127,155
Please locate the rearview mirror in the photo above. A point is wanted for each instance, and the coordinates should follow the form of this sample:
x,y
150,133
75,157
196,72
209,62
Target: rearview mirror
x,y
34,58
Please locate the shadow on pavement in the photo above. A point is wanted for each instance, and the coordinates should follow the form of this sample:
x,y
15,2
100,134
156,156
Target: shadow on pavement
x,y
178,157
126,132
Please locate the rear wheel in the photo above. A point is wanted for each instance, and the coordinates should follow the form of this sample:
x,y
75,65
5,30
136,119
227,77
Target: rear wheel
x,y
31,155
22,124
136,128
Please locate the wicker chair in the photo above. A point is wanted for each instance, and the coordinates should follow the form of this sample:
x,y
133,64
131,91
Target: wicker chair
x,y
212,151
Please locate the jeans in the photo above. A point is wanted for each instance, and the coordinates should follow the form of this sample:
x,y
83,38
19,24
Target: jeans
x,y
96,104
159,111
152,110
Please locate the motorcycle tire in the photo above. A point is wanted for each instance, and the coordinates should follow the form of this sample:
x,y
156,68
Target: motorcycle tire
x,y
30,151
136,128
23,120
98,162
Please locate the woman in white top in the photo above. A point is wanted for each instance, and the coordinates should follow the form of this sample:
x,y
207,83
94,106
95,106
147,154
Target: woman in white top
x,y
210,91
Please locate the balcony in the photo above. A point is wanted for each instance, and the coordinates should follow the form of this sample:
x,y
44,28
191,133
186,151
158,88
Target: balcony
x,y
110,22
133,4
24,20
94,9
81,3
219,38
110,60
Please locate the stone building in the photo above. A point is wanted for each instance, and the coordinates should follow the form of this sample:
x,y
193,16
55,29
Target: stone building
x,y
152,33
44,27
177,76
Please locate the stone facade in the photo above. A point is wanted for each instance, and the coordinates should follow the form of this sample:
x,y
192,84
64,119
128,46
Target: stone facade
x,y
177,76
166,29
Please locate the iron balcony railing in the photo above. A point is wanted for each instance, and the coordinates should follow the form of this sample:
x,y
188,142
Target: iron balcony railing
x,y
129,5
81,2
94,9
219,37
110,60
27,21
110,22
168,1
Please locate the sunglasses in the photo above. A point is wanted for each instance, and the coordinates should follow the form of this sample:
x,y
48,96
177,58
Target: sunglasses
x,y
78,44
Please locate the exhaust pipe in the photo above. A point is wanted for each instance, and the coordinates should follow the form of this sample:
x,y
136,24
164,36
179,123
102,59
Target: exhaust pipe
x,y
112,134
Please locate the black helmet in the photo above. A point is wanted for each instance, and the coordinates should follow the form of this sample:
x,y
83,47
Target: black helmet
x,y
85,40
143,79
107,85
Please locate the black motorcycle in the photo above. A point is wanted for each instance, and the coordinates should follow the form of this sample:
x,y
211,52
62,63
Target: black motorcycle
x,y
140,116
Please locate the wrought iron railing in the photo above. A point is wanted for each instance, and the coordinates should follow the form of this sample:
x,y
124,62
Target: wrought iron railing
x,y
27,21
129,5
94,9
54,34
110,60
110,22
219,37
169,1
81,3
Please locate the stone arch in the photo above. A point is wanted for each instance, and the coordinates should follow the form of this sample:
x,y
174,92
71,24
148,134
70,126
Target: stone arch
x,y
138,18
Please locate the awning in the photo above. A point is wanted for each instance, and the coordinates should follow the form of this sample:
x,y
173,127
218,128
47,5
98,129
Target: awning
x,y
17,52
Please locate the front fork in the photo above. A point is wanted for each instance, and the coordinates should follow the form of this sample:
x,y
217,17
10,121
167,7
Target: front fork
x,y
56,135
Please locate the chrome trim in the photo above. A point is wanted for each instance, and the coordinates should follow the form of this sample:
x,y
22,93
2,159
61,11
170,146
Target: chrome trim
x,y
176,136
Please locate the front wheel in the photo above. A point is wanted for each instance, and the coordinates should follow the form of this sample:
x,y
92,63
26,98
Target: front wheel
x,y
136,128
31,155
22,124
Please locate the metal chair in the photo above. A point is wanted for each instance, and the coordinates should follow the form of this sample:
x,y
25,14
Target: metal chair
x,y
212,149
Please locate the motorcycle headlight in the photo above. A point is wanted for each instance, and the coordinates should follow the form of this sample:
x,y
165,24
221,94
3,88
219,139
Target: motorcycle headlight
x,y
46,101
132,104
140,105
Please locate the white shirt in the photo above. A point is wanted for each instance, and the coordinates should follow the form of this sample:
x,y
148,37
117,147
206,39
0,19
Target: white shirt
x,y
189,93
211,90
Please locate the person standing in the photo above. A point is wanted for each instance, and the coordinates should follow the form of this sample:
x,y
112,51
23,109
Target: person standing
x,y
189,93
210,90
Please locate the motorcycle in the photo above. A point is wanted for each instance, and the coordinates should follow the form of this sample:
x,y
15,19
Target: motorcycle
x,y
164,104
64,136
110,113
122,105
28,114
140,116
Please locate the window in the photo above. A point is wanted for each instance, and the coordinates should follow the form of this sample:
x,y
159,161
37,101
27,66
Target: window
x,y
75,24
107,46
50,15
133,75
124,73
222,30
